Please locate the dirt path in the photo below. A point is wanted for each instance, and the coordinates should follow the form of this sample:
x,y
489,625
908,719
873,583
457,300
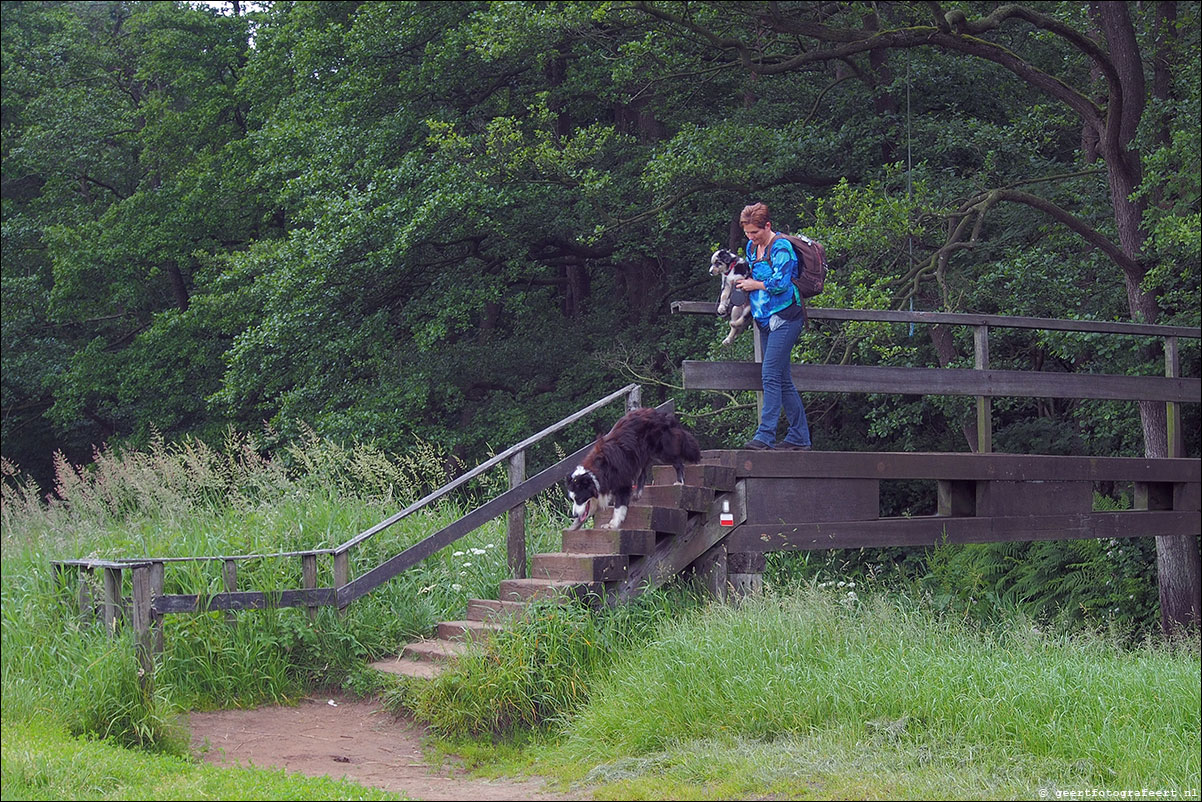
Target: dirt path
x,y
351,738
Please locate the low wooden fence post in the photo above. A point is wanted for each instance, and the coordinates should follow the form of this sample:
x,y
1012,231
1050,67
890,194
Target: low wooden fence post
x,y
515,537
141,618
113,601
87,603
309,574
342,574
156,619
229,576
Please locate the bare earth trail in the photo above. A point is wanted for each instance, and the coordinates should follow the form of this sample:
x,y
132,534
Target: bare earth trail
x,y
352,738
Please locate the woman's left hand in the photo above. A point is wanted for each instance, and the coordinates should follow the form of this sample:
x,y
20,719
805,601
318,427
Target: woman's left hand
x,y
749,284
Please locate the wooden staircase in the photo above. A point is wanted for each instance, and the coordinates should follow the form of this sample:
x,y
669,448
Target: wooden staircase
x,y
664,532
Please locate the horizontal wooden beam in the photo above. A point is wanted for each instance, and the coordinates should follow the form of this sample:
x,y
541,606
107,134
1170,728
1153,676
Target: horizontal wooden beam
x,y
243,600
935,530
947,381
966,319
926,465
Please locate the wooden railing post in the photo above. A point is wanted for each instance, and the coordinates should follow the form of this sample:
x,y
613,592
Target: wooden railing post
x,y
141,617
980,340
342,574
515,537
112,605
156,619
634,399
87,603
229,576
1172,370
309,575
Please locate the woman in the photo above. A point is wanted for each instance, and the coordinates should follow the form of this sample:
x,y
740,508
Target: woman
x,y
778,313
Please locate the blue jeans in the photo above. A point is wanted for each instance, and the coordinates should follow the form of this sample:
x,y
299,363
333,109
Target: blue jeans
x,y
779,392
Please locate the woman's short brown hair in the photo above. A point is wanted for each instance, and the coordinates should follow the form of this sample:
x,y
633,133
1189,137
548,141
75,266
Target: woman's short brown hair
x,y
756,214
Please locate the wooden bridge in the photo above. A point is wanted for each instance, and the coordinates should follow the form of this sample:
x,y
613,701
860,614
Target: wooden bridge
x,y
738,505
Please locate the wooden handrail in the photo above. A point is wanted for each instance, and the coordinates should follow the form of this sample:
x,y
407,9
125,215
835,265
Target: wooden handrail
x,y
966,319
483,467
947,381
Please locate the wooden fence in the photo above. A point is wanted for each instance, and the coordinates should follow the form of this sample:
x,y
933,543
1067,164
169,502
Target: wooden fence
x,y
980,381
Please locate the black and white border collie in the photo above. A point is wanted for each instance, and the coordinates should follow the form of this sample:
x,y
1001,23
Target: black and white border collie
x,y
618,465
732,301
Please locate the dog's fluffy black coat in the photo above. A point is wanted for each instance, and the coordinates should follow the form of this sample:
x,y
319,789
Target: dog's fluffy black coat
x,y
618,465
733,301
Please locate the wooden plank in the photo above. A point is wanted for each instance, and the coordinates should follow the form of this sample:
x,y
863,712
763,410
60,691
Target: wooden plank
x,y
935,530
956,498
813,499
515,524
1172,369
244,600
984,403
947,381
968,319
141,618
156,590
229,575
112,603
962,466
1002,498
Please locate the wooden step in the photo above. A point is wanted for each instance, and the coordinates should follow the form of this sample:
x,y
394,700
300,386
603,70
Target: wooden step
x,y
434,650
492,610
531,589
687,497
579,567
407,667
468,630
713,476
609,541
664,520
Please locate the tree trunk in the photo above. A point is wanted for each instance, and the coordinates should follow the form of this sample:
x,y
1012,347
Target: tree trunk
x,y
1178,563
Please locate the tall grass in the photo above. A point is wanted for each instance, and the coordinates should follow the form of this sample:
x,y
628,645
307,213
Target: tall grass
x,y
189,499
839,678
542,667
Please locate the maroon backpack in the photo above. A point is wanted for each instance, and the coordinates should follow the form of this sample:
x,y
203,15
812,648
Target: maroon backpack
x,y
811,264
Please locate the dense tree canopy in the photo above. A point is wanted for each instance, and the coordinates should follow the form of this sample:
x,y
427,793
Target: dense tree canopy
x,y
458,221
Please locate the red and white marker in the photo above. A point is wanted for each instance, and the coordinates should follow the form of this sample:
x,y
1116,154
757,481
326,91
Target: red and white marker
x,y
726,519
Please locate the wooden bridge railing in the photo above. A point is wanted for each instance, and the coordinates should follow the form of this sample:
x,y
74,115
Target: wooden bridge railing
x,y
148,603
980,381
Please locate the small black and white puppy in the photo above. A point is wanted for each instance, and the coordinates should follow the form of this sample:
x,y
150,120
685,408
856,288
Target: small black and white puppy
x,y
732,301
616,468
